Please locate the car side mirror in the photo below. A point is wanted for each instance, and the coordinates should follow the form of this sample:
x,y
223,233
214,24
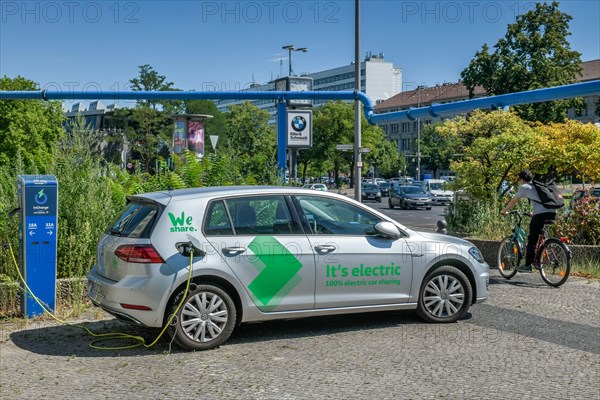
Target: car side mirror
x,y
387,229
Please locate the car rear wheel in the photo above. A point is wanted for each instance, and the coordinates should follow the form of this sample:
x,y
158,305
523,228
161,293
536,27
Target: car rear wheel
x,y
205,320
390,205
445,295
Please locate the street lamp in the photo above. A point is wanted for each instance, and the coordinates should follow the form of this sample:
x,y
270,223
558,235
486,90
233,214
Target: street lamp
x,y
290,48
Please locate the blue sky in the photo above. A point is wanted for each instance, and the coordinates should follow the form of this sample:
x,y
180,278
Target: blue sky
x,y
209,45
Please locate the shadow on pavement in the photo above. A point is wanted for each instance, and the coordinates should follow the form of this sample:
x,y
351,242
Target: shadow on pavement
x,y
71,341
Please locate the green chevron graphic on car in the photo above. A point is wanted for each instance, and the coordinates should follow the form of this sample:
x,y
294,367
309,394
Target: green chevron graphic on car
x,y
278,271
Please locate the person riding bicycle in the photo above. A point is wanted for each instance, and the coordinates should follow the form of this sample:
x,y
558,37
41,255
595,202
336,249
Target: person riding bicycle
x,y
540,215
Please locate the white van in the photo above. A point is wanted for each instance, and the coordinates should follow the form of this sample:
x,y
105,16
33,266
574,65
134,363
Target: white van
x,y
437,189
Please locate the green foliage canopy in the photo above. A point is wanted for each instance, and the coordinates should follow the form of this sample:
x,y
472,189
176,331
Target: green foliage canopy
x,y
29,129
497,145
534,53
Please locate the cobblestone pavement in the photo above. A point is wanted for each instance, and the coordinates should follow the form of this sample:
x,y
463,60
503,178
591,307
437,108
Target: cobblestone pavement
x,y
529,341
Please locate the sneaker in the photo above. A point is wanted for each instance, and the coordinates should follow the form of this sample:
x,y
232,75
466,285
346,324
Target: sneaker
x,y
524,268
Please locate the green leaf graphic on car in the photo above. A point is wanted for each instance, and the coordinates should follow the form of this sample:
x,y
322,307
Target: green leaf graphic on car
x,y
278,271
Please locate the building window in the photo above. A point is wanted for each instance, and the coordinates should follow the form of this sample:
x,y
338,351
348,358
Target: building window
x,y
406,144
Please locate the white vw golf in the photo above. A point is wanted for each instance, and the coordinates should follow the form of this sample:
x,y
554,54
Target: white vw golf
x,y
265,253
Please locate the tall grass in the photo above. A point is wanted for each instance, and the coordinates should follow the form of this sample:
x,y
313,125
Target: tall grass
x,y
91,193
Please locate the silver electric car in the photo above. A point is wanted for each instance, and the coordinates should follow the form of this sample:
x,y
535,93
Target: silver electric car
x,y
265,253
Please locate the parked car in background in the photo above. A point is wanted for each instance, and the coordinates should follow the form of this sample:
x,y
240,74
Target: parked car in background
x,y
315,186
448,178
438,191
217,257
409,197
384,188
370,191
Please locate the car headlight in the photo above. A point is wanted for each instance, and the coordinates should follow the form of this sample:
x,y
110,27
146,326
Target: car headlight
x,y
476,254
379,194
363,194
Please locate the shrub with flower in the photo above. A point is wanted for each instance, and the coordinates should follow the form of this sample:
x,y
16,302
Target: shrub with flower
x,y
581,221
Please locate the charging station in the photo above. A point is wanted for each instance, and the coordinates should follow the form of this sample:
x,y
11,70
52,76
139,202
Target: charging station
x,y
38,199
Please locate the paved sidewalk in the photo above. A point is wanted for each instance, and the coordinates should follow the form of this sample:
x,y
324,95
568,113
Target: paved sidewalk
x,y
529,341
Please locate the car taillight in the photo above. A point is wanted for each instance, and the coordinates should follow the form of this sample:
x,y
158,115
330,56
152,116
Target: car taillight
x,y
139,253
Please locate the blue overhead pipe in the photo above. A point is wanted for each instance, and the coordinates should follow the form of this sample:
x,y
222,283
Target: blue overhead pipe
x,y
180,95
435,110
492,102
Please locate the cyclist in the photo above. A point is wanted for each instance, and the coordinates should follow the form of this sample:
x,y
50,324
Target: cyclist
x,y
540,215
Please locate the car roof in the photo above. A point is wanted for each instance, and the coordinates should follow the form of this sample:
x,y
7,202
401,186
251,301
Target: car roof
x,y
163,197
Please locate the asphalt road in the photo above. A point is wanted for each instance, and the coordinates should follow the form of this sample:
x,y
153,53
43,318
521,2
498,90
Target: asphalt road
x,y
420,219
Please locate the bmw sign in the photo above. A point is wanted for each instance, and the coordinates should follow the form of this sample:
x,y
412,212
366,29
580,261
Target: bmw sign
x,y
299,128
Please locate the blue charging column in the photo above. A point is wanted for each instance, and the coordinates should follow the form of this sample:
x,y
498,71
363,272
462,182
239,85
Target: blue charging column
x,y
38,198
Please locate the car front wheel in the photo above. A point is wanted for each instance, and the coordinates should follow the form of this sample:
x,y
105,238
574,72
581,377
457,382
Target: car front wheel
x,y
445,295
205,320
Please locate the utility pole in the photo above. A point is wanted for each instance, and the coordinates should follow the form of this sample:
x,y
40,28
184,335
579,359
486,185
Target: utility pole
x,y
357,133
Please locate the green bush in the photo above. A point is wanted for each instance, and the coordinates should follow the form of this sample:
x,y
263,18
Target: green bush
x,y
580,222
477,218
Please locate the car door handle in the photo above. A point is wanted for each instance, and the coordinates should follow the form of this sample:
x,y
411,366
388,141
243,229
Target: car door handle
x,y
325,248
234,250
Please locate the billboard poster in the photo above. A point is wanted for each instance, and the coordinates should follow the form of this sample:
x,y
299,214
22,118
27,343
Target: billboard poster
x,y
196,137
179,137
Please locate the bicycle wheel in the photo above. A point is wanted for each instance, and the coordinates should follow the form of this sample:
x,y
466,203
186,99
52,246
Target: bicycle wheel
x,y
555,262
509,256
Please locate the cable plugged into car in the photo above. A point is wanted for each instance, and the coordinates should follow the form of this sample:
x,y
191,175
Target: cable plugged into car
x,y
188,249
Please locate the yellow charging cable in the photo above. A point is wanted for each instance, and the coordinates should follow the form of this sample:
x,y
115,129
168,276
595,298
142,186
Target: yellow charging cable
x,y
110,335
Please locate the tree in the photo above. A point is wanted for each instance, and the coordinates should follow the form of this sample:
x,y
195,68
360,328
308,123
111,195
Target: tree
x,y
251,142
29,129
534,53
497,145
437,149
333,123
570,148
150,80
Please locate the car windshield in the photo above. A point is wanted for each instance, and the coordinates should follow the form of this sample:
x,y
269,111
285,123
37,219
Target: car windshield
x,y
412,190
436,186
384,185
370,187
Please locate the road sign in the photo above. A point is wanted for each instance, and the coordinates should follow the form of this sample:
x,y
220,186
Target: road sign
x,y
213,141
344,147
364,150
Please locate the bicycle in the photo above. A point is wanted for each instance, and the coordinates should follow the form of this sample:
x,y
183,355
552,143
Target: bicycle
x,y
552,255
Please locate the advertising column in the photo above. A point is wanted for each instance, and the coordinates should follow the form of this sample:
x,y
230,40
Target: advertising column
x,y
38,198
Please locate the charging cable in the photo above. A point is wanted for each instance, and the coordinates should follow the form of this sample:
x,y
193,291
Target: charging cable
x,y
101,337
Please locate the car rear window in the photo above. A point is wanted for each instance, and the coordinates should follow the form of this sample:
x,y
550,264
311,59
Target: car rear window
x,y
135,221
